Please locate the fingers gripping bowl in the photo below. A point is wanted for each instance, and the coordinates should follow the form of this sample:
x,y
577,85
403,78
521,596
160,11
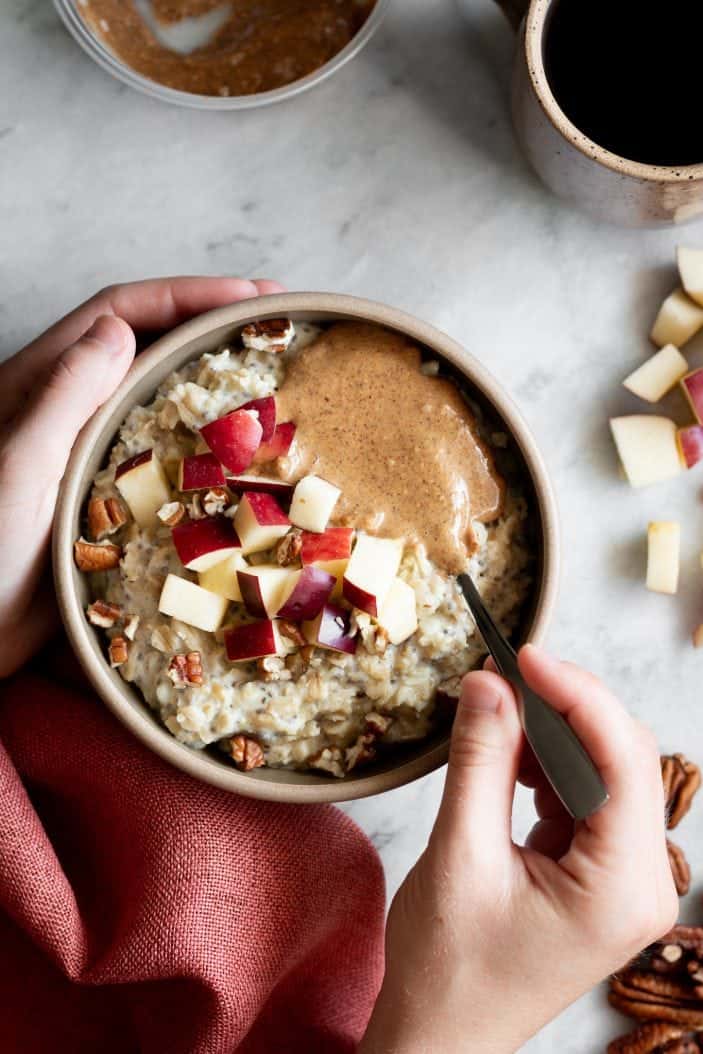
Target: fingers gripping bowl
x,y
218,690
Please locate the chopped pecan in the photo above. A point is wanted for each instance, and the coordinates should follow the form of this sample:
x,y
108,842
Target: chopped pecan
x,y
171,513
186,671
289,547
271,334
96,556
118,651
681,780
246,753
105,516
131,624
215,501
378,724
680,870
292,631
380,640
361,752
104,614
330,759
194,508
273,668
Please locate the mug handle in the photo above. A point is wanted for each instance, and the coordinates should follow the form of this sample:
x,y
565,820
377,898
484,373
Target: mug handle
x,y
514,11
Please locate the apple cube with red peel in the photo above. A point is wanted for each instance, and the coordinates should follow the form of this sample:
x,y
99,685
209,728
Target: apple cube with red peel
x,y
266,409
200,472
690,263
277,446
678,320
263,588
331,629
690,442
192,604
692,385
222,577
313,501
663,548
201,544
267,484
142,482
336,568
307,594
255,640
647,447
234,439
654,378
259,521
335,543
370,572
398,616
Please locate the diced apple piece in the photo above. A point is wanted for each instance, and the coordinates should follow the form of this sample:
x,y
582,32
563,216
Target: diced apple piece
x,y
222,578
312,504
663,546
192,604
278,445
370,572
307,594
691,270
234,439
678,320
333,544
657,375
336,568
647,447
398,616
266,409
142,482
692,385
259,521
266,484
200,472
263,588
690,442
255,640
201,544
331,629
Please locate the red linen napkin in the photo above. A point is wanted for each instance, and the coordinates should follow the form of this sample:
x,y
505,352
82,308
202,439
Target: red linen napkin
x,y
143,911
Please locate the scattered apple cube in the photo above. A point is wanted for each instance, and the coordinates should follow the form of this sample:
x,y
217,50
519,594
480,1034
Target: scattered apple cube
x,y
331,629
313,502
263,588
690,442
143,484
266,409
255,640
278,445
234,439
259,521
663,546
692,385
222,577
691,270
398,615
306,594
336,568
200,472
657,375
335,543
647,448
678,320
370,572
201,544
192,604
279,488
698,636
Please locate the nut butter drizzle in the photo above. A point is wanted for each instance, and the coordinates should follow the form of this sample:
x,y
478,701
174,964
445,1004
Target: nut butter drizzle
x,y
402,446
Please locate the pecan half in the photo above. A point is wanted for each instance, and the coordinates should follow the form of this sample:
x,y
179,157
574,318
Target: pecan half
x,y
246,753
171,513
271,334
664,983
289,547
186,671
102,613
118,651
681,779
96,556
105,516
651,1038
679,868
215,501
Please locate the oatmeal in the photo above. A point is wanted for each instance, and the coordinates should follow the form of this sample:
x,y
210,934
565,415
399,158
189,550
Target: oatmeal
x,y
279,583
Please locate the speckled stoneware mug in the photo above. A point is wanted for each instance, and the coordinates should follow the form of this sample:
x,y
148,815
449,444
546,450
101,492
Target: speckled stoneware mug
x,y
574,166
91,450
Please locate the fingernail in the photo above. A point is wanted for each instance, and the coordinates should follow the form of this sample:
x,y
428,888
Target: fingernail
x,y
108,331
478,694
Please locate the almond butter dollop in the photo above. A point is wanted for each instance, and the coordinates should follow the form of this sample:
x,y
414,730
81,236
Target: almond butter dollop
x,y
402,446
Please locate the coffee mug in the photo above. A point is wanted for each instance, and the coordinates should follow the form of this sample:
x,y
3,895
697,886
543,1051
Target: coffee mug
x,y
575,167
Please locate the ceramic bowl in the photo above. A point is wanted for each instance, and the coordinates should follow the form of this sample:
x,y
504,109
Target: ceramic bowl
x,y
188,341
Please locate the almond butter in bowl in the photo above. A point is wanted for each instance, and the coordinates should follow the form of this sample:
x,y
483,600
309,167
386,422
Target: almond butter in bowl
x,y
284,522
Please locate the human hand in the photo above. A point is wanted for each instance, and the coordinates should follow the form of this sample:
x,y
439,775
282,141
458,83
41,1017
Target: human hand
x,y
47,393
487,941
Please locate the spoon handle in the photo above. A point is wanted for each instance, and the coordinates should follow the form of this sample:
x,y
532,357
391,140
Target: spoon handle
x,y
563,759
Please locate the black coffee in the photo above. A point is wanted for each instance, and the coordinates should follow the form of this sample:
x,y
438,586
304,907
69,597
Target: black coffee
x,y
628,73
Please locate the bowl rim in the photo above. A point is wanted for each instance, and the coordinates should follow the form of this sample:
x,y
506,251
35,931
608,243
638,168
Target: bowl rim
x,y
116,693
109,62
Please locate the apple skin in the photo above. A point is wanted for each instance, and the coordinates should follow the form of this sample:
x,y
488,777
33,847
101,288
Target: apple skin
x,y
255,640
200,472
234,439
266,409
262,588
201,544
144,485
278,488
133,462
277,446
310,593
333,544
692,385
330,629
260,522
690,442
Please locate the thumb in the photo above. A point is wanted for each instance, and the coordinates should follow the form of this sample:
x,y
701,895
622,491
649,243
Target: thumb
x,y
476,809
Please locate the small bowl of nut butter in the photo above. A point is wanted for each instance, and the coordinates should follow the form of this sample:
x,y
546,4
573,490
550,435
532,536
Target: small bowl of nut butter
x,y
222,54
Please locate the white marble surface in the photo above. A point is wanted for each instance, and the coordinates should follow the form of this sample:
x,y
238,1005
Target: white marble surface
x,y
398,179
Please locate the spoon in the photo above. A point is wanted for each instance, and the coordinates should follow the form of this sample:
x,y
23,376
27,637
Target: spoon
x,y
558,750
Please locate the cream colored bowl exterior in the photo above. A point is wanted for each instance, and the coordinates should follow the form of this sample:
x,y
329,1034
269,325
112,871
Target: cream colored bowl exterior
x,y
91,449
